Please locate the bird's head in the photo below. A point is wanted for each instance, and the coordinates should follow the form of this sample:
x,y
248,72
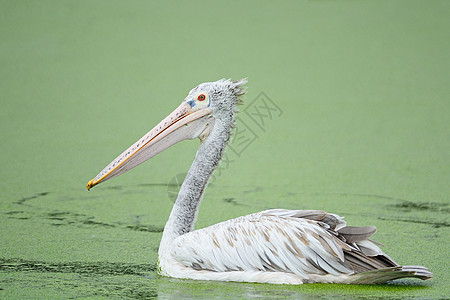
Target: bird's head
x,y
206,104
220,96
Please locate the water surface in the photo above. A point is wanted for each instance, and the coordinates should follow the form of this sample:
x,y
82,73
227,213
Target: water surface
x,y
347,111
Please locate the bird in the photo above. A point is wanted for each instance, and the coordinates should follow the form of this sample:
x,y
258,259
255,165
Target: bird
x,y
277,246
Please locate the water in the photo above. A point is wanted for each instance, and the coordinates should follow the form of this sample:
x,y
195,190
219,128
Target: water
x,y
347,111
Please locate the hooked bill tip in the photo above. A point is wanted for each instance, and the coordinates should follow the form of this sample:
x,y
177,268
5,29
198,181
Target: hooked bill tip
x,y
90,184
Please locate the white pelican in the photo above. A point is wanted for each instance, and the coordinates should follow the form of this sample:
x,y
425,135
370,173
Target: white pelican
x,y
274,246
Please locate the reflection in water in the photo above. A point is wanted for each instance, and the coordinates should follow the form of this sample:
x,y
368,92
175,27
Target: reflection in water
x,y
169,288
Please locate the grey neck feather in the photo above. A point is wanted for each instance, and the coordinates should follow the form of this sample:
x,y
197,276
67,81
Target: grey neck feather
x,y
184,211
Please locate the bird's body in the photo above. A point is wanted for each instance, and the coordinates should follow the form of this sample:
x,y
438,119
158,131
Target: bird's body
x,y
274,246
282,246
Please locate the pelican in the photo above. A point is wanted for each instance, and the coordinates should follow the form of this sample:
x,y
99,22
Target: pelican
x,y
278,246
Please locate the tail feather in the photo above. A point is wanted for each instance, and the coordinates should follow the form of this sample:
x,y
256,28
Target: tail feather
x,y
386,274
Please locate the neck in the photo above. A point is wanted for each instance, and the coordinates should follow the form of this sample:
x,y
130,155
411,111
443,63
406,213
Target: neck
x,y
184,212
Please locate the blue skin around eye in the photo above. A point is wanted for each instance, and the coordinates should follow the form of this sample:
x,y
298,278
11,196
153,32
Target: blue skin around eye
x,y
192,103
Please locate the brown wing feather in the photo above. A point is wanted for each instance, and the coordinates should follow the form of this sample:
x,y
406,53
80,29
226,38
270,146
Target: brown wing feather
x,y
359,251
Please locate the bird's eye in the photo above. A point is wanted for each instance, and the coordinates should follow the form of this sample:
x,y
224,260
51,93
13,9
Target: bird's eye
x,y
201,97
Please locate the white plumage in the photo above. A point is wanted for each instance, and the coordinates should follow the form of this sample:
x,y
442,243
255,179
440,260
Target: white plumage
x,y
262,244
281,246
274,246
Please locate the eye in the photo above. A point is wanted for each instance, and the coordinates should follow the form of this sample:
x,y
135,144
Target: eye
x,y
201,97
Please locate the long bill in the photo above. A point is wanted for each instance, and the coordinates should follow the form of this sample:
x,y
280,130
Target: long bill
x,y
183,123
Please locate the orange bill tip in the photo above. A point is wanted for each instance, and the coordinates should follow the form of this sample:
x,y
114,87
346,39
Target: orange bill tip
x,y
90,184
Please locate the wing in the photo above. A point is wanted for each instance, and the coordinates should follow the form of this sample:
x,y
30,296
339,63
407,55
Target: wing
x,y
360,251
290,241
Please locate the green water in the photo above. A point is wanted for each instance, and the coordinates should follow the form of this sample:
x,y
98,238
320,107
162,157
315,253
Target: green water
x,y
359,126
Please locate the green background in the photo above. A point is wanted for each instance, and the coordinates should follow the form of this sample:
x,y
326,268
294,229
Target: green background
x,y
365,133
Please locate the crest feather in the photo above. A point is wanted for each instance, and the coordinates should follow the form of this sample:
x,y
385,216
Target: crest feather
x,y
239,89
